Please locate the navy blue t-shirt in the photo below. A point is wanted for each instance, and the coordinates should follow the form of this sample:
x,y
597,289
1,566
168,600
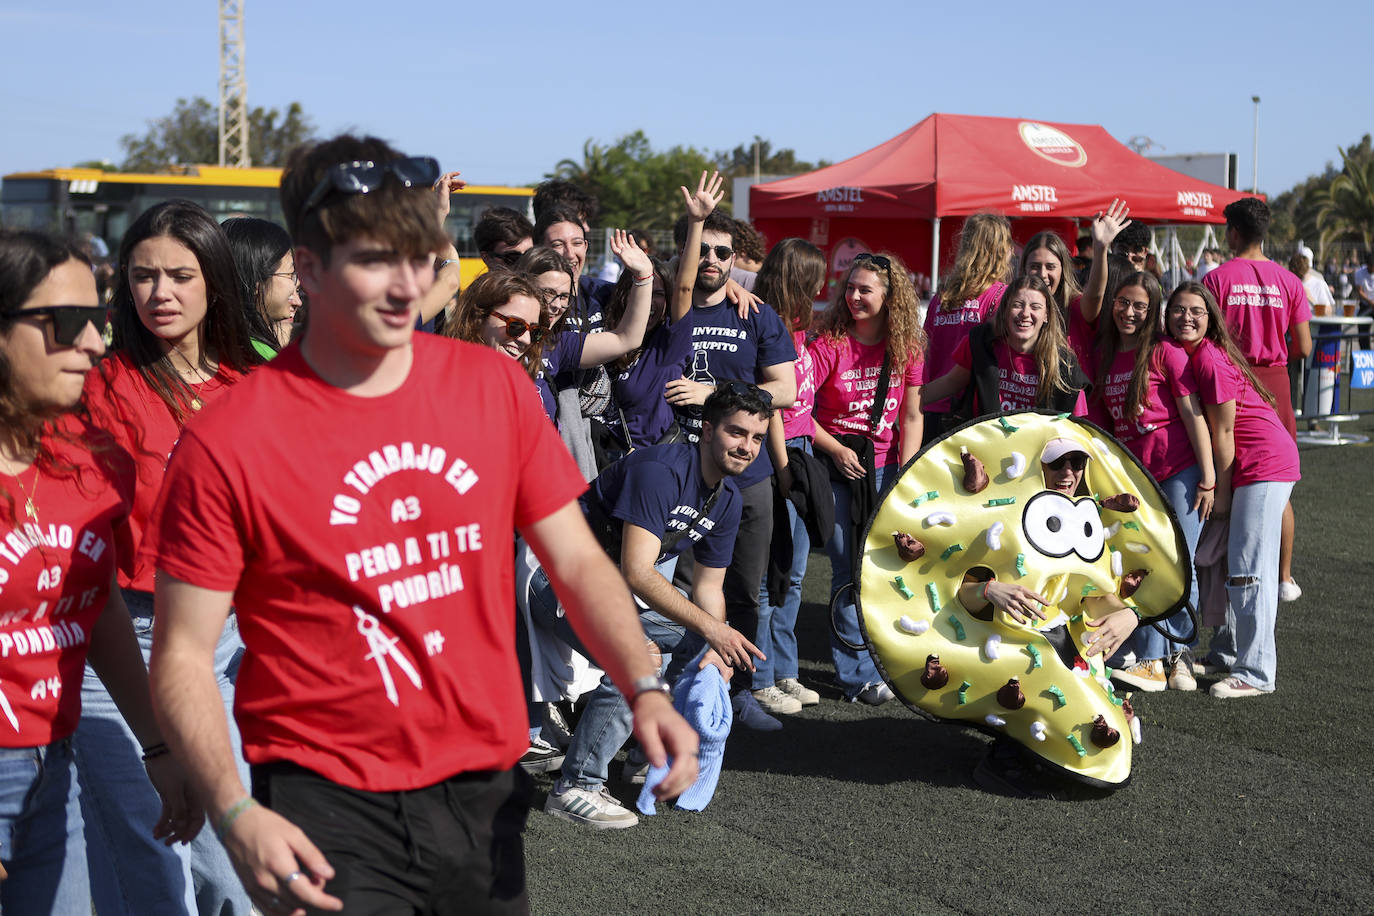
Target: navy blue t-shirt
x,y
564,354
660,489
639,389
587,311
728,348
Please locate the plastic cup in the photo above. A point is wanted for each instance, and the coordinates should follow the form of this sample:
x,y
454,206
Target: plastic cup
x,y
1320,309
1350,309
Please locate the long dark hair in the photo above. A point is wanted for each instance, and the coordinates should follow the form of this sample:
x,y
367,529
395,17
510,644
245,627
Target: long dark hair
x,y
620,298
258,245
790,279
1109,342
224,336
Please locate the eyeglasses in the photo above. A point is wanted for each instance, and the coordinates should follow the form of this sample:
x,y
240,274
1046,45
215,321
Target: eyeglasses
x,y
552,297
295,281
360,177
877,259
1122,302
744,389
518,327
1178,311
1076,460
723,252
68,321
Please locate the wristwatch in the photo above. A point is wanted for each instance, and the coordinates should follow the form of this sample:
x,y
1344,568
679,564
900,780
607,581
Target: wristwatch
x,y
650,683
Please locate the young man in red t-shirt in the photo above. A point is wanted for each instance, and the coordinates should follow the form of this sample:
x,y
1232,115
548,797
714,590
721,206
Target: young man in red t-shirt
x,y
355,500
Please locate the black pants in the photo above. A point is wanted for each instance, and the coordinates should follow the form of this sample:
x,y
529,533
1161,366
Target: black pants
x,y
453,847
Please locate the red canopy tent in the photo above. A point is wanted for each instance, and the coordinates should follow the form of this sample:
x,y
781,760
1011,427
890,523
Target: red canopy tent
x,y
1041,174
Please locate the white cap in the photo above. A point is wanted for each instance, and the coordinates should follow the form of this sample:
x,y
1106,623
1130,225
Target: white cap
x,y
1058,448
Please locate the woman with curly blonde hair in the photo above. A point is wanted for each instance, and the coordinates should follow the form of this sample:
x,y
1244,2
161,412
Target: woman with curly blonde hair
x,y
970,292
867,359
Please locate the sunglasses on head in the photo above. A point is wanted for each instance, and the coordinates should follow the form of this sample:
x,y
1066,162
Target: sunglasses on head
x,y
744,389
516,327
68,321
723,252
877,260
1076,460
362,176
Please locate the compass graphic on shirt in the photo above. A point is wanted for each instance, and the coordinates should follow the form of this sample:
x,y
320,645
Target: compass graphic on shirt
x,y
382,647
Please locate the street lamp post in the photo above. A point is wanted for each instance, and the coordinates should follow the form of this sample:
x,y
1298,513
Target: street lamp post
x,y
1254,159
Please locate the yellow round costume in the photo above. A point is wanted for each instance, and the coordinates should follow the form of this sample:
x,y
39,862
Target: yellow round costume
x,y
1065,548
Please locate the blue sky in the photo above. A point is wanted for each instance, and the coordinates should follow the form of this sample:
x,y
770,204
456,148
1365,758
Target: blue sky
x,y
505,90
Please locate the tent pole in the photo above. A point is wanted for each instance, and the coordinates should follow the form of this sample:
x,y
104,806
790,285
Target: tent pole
x,y
934,255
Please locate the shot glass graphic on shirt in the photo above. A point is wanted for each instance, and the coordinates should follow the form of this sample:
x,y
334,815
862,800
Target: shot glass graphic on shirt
x,y
381,647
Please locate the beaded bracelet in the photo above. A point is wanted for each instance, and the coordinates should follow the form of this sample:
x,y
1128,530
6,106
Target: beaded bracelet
x,y
155,750
232,815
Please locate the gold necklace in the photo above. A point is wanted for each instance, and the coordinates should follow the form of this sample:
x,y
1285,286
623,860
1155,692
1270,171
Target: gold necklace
x,y
30,509
196,403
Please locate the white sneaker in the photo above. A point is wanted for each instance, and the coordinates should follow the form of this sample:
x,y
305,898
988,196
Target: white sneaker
x,y
598,809
793,688
777,702
1289,591
873,694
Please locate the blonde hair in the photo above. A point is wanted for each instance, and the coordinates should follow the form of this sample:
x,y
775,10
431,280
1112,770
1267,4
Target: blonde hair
x,y
984,258
905,338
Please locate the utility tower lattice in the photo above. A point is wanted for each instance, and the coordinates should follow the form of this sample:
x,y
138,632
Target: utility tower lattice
x,y
233,87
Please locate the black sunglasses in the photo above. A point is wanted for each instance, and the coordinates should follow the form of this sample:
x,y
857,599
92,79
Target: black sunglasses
x,y
68,321
723,252
360,177
744,389
508,257
515,327
1076,460
877,259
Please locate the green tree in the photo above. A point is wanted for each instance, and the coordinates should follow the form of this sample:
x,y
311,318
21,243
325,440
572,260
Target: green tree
x,y
634,185
739,162
1345,208
190,135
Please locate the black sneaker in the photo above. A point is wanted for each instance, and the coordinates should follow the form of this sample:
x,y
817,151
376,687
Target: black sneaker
x,y
1008,770
541,757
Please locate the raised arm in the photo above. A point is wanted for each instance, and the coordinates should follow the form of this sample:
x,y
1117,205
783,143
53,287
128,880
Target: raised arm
x,y
629,333
1106,227
448,276
699,206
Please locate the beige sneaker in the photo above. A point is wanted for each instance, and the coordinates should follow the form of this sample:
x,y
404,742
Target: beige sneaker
x,y
793,688
777,702
1181,671
1146,674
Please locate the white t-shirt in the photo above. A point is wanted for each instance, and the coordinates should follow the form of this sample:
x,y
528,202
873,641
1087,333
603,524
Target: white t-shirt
x,y
1364,282
1318,293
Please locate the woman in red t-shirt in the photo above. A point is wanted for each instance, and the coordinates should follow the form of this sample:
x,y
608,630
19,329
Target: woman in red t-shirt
x,y
1018,361
869,343
181,340
64,499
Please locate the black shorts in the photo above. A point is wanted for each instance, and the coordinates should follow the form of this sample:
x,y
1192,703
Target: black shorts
x,y
453,847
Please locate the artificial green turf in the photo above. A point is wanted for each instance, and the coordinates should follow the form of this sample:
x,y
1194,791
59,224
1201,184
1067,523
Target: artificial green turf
x,y
1247,806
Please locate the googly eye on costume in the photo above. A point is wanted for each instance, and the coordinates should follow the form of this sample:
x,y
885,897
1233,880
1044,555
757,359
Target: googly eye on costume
x,y
943,660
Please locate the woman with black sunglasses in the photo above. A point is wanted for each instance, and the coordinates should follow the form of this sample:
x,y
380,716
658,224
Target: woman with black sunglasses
x,y
181,341
867,358
65,494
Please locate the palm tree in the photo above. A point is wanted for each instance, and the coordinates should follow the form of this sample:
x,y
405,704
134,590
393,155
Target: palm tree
x,y
1345,209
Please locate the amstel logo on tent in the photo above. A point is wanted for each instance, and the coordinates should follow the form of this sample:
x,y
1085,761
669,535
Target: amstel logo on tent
x,y
1052,144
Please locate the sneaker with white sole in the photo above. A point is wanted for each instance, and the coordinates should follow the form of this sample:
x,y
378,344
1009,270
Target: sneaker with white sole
x,y
1289,591
777,702
793,688
1233,687
636,767
1181,671
541,757
596,808
1209,665
1146,674
873,695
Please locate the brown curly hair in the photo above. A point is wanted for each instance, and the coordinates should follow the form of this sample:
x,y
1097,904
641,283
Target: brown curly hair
x,y
905,338
488,293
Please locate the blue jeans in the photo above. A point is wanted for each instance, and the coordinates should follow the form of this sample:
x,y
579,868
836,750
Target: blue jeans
x,y
1146,642
777,632
607,721
130,872
40,831
854,669
1246,643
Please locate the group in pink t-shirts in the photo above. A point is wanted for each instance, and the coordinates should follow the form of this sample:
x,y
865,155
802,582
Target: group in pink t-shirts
x,y
946,329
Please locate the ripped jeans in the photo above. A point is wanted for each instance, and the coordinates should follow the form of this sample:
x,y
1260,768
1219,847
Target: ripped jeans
x,y
1246,643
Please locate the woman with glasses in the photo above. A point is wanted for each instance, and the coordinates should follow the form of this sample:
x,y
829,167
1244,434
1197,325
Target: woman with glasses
x,y
1146,394
65,492
267,280
1019,360
181,341
966,296
1256,467
867,356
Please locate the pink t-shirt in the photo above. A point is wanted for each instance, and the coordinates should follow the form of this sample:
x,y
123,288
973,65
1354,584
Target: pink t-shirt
x,y
1156,435
1082,334
1264,450
797,420
1018,383
946,329
1261,301
846,382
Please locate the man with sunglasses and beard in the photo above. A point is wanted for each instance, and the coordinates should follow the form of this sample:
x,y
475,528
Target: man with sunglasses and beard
x,y
647,510
756,349
366,548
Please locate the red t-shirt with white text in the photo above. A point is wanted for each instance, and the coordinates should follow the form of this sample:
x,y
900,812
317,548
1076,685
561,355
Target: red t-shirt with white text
x,y
141,422
55,578
367,544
